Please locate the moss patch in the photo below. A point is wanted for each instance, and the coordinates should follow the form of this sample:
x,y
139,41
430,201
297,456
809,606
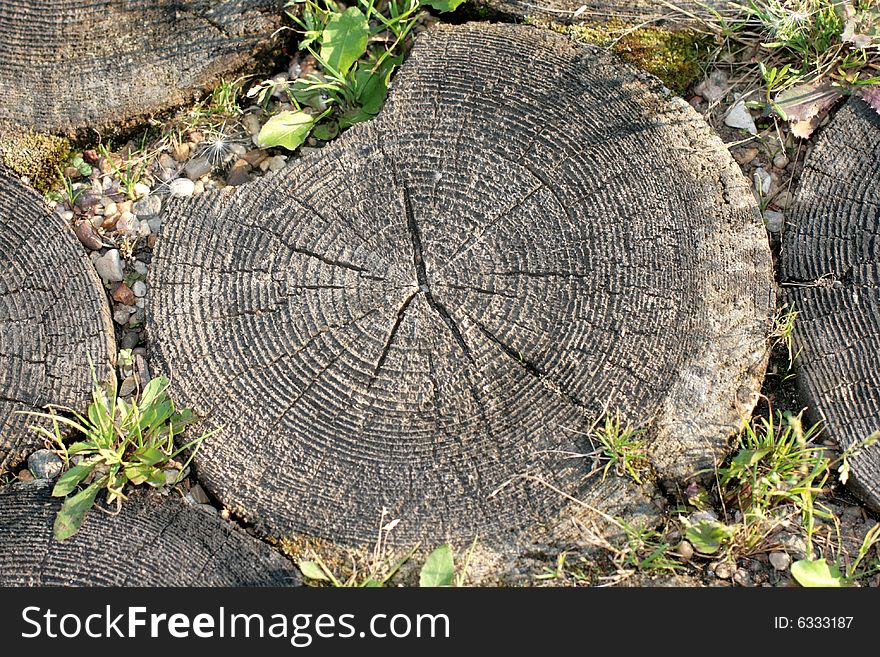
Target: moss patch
x,y
676,58
34,156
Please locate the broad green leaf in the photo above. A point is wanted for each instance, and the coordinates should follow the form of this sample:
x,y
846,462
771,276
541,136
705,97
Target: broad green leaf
x,y
707,535
344,39
439,569
371,89
70,479
73,512
750,457
313,571
352,116
138,473
326,131
153,392
78,447
442,5
149,455
286,129
817,573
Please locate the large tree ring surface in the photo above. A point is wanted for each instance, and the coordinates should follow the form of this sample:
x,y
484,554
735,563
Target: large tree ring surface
x,y
153,541
425,315
53,317
67,64
831,272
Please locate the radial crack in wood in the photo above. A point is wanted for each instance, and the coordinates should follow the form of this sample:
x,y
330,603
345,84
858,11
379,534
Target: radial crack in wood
x,y
831,273
538,233
152,541
70,64
53,317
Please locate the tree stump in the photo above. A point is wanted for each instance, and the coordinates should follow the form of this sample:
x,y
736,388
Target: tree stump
x,y
68,64
427,315
153,541
831,273
632,12
53,317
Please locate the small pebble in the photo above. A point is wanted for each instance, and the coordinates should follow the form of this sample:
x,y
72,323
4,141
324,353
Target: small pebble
x,y
109,267
44,464
129,340
744,155
121,315
763,181
25,475
197,168
774,221
140,267
149,206
124,295
723,571
685,550
780,161
139,288
780,560
239,173
783,199
252,124
224,513
181,187
88,235
197,495
67,215
129,384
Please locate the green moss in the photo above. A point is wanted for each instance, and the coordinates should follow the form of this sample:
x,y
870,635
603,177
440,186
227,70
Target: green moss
x,y
33,155
676,57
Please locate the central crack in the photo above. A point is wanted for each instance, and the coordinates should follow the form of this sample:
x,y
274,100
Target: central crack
x,y
422,274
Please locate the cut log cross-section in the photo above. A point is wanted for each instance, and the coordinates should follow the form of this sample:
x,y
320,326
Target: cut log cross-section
x,y
53,317
831,273
69,64
152,541
426,315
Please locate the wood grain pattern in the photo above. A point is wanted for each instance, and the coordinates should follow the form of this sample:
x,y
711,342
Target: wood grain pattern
x,y
69,64
153,541
831,270
53,316
443,299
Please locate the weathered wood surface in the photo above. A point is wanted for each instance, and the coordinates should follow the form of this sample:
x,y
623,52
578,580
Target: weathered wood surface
x,y
153,541
53,316
681,13
831,272
440,302
68,64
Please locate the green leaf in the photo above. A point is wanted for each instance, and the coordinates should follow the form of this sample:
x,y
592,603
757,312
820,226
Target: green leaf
x,y
70,479
817,573
81,446
326,131
750,457
149,455
439,569
344,39
352,116
371,89
286,129
442,5
313,571
72,513
138,473
707,535
153,392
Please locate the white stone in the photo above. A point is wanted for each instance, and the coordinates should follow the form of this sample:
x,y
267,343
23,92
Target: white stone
x,y
109,267
181,187
739,117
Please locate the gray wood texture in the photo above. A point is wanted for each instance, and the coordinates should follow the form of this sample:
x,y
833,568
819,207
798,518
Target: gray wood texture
x,y
441,301
69,64
153,541
831,270
671,14
53,316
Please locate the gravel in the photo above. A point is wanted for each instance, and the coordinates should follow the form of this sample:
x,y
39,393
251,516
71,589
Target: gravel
x,y
780,560
181,187
109,267
44,464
